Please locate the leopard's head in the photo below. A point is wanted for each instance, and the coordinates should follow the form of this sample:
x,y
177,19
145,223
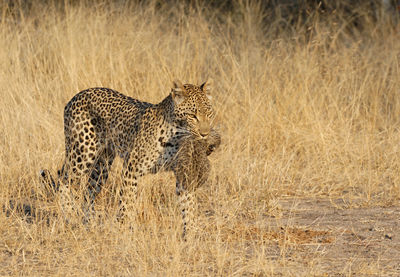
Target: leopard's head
x,y
192,108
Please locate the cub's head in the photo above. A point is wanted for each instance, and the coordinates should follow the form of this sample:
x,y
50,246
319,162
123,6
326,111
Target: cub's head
x,y
193,110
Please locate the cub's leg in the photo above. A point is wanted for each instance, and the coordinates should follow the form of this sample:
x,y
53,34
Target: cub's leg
x,y
187,205
213,141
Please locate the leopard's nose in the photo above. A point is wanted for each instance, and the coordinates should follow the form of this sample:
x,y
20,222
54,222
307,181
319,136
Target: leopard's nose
x,y
204,129
203,134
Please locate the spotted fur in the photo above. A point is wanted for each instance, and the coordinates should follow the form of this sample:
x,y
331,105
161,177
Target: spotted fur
x,y
191,168
101,123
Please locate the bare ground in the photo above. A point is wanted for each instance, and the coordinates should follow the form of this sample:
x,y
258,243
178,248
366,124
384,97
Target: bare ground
x,y
338,241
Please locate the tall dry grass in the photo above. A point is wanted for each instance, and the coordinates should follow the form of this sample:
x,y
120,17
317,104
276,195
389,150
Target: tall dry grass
x,y
315,117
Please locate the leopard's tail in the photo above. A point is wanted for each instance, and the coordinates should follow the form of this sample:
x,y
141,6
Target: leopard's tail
x,y
48,181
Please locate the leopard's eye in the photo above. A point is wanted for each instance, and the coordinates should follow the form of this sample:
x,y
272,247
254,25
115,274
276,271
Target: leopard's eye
x,y
194,117
191,116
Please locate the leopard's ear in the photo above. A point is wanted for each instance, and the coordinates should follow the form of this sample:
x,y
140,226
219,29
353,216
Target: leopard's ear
x,y
206,88
178,92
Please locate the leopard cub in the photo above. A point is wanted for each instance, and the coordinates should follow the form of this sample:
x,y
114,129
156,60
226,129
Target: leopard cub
x,y
191,165
192,168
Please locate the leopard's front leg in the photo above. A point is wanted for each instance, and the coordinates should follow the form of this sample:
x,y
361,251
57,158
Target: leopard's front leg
x,y
128,192
136,165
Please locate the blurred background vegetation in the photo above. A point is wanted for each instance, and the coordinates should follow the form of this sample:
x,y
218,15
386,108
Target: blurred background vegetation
x,y
278,16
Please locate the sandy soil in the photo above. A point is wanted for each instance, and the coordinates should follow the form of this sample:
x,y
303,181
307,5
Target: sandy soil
x,y
337,241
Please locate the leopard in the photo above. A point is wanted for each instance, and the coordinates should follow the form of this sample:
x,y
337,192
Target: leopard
x,y
102,123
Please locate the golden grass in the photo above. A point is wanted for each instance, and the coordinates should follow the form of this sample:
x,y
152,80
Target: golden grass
x,y
299,118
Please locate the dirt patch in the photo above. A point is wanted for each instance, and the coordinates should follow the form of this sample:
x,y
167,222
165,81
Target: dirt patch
x,y
340,240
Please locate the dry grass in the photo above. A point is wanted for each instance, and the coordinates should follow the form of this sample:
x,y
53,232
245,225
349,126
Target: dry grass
x,y
316,118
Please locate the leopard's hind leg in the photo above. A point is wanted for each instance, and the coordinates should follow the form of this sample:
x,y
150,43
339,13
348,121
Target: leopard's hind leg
x,y
99,172
88,157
